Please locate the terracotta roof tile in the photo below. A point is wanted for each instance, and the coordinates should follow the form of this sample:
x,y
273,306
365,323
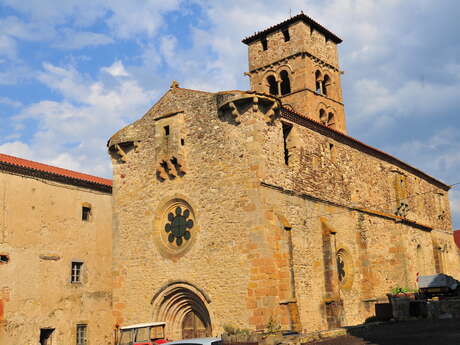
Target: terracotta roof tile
x,y
24,163
299,17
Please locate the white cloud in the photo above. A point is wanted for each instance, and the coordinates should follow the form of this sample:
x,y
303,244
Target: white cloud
x,y
8,47
116,70
73,132
72,39
18,149
455,206
10,102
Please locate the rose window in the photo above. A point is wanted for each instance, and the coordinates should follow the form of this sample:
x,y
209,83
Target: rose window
x,y
178,226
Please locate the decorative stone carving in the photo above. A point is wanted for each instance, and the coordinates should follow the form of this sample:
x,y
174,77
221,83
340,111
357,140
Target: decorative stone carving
x,y
169,169
238,103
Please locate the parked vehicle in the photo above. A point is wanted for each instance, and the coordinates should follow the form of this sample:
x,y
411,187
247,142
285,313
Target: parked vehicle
x,y
438,285
152,333
197,341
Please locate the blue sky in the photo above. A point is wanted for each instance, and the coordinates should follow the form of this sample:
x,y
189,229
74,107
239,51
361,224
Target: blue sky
x,y
74,72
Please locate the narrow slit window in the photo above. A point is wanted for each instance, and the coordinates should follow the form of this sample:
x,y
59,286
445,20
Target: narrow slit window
x,y
182,142
76,272
264,42
286,131
331,152
286,35
82,334
86,213
166,128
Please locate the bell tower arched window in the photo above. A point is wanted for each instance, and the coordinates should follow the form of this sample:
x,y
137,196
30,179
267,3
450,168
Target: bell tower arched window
x,y
318,82
330,120
285,83
327,119
272,85
322,116
326,83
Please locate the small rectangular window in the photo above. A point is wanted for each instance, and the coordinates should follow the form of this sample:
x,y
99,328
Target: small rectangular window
x,y
82,334
286,35
76,272
166,128
4,259
86,213
264,43
182,142
46,336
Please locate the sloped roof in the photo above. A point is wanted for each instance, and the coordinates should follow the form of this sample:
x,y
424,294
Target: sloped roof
x,y
300,17
291,114
32,168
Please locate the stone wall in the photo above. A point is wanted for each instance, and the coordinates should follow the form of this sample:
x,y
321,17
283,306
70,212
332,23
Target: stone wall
x,y
42,232
303,38
266,235
218,187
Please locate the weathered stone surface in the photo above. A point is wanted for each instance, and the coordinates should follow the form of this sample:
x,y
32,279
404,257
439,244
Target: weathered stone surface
x,y
292,221
42,232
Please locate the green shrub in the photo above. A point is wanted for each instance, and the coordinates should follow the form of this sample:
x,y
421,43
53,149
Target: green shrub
x,y
232,330
272,326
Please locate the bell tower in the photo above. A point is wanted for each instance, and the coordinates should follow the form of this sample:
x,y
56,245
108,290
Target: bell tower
x,y
297,61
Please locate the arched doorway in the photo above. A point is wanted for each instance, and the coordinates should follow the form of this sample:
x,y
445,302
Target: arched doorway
x,y
184,308
193,326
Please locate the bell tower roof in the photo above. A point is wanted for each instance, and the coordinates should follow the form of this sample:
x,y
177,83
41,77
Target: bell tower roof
x,y
300,17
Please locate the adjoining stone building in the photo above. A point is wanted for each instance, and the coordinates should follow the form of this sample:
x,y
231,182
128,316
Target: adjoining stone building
x,y
55,255
238,207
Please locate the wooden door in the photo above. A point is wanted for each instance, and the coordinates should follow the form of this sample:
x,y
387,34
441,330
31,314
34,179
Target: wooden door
x,y
193,327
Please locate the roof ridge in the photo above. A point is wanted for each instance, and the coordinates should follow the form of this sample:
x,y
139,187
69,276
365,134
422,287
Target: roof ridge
x,y
301,16
360,143
33,165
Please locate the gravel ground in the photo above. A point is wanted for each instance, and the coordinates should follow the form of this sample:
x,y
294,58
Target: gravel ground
x,y
420,332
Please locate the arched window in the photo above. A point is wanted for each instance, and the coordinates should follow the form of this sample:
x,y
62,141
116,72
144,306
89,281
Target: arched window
x,y
326,83
322,116
285,83
327,119
331,120
272,85
318,82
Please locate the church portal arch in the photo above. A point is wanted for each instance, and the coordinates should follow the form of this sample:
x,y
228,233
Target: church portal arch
x,y
184,308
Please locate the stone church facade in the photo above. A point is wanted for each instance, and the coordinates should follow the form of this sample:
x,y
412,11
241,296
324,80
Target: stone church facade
x,y
241,207
236,207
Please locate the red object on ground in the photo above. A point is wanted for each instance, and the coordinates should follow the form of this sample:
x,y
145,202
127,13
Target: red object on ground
x,y
457,238
161,341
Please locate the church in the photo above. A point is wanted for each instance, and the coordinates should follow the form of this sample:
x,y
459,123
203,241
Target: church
x,y
250,207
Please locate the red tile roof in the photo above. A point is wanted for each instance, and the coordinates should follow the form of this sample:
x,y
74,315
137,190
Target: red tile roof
x,y
457,237
49,169
299,17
